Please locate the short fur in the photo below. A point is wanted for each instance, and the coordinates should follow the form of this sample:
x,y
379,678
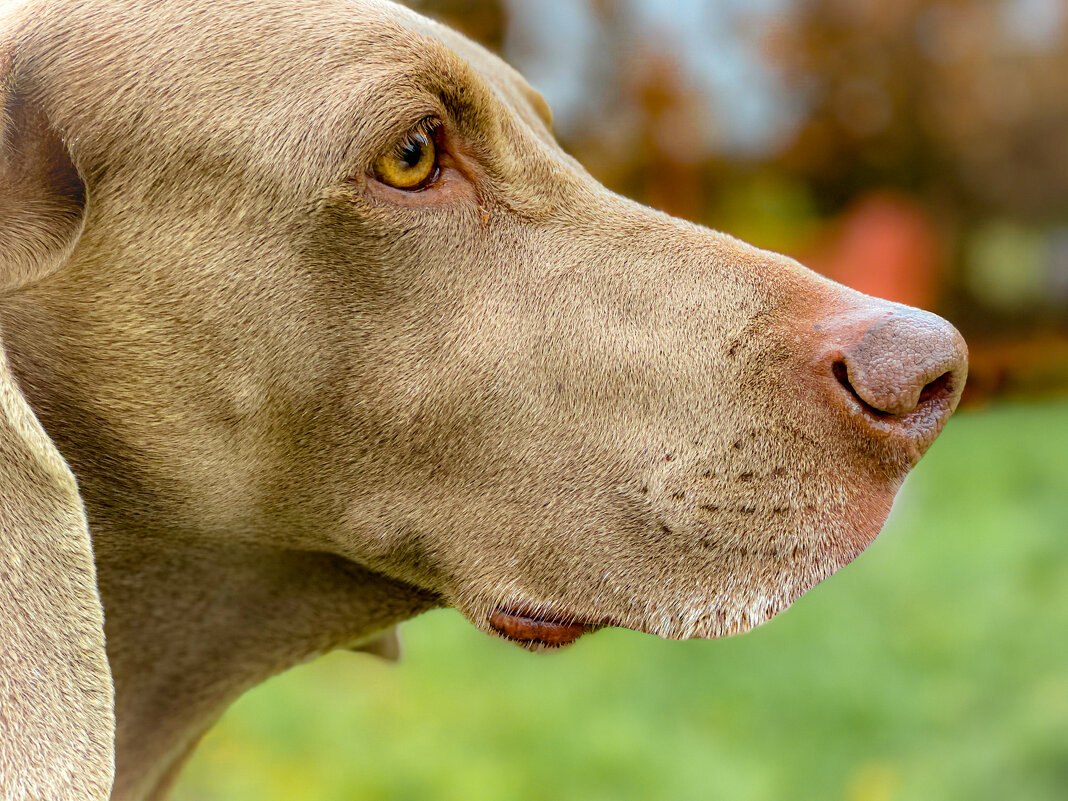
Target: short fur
x,y
302,406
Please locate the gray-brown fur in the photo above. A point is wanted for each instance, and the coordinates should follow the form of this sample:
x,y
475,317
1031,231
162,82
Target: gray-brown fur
x,y
302,407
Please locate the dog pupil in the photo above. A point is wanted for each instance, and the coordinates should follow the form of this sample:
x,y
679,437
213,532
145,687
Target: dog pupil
x,y
412,153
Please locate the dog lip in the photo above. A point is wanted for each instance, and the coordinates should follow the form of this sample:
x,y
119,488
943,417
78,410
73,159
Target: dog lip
x,y
527,627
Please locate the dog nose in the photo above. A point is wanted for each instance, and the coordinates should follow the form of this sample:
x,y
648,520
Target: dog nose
x,y
899,370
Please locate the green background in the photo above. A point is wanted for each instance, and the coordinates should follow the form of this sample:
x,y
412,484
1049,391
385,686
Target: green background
x,y
934,667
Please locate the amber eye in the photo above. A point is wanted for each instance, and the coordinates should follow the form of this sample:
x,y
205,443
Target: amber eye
x,y
412,164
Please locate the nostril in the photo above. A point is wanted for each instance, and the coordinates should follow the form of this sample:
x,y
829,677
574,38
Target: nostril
x,y
841,374
937,391
940,389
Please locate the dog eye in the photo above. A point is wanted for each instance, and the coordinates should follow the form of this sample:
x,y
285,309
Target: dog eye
x,y
412,164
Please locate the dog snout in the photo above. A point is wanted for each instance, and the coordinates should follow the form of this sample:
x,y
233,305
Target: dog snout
x,y
898,371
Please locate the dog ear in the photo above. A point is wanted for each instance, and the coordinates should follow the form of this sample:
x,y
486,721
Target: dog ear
x,y
56,700
385,645
42,196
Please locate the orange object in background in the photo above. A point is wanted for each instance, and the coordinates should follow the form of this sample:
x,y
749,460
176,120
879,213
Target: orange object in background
x,y
884,245
1032,368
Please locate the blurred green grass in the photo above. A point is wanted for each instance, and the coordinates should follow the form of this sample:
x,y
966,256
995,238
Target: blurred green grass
x,y
934,668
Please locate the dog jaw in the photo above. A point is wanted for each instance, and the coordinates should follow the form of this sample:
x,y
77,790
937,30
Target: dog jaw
x,y
728,590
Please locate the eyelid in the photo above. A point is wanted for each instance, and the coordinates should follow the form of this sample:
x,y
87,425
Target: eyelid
x,y
393,136
428,126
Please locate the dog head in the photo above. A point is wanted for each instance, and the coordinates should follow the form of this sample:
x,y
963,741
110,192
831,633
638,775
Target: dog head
x,y
327,281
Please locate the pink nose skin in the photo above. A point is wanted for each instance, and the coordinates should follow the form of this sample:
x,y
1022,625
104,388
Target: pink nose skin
x,y
897,370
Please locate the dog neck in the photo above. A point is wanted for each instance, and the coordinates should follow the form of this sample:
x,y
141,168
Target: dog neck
x,y
190,628
193,617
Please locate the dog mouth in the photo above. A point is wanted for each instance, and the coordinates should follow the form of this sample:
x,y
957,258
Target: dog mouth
x,y
728,588
727,602
533,629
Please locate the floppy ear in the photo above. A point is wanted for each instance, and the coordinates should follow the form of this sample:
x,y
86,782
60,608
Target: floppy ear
x,y
56,707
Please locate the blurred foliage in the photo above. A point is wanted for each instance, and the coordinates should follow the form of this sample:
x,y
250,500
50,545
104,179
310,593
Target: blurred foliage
x,y
960,101
932,669
963,105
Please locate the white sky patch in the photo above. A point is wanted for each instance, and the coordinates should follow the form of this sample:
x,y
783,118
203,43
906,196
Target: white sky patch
x,y
1035,24
558,46
551,43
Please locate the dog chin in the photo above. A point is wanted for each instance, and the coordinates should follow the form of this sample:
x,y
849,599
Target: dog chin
x,y
739,597
550,630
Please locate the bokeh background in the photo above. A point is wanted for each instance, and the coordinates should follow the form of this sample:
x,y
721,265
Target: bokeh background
x,y
916,150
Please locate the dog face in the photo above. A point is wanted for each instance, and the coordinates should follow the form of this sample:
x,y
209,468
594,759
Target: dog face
x,y
339,289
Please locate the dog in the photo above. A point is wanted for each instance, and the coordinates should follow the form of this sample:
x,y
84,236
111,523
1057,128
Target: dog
x,y
309,325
